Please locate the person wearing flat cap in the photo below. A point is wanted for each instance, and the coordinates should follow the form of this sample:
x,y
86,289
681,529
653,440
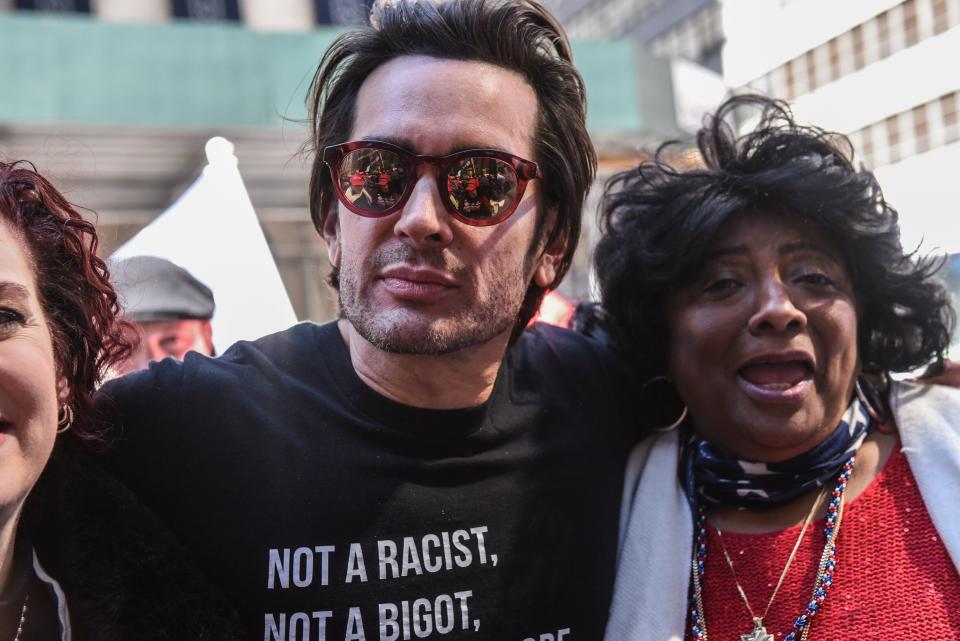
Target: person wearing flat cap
x,y
169,307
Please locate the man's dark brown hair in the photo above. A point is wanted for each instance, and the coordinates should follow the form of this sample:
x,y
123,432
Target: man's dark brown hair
x,y
519,35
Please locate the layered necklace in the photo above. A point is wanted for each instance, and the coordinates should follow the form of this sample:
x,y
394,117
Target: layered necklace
x,y
845,441
825,571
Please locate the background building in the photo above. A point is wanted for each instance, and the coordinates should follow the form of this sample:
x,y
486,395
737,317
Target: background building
x,y
114,100
686,35
687,29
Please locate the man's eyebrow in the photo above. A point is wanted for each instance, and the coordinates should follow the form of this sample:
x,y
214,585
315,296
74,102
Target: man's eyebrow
x,y
407,144
11,290
393,140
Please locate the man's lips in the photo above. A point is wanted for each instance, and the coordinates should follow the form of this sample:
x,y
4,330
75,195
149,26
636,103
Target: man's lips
x,y
415,283
426,275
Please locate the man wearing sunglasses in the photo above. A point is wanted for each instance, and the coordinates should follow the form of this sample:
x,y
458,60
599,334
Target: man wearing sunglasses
x,y
423,467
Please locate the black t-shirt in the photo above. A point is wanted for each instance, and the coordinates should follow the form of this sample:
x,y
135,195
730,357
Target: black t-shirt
x,y
326,511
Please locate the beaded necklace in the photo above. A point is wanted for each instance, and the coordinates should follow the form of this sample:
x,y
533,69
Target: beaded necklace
x,y
825,571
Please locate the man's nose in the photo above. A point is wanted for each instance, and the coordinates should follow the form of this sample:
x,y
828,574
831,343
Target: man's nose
x,y
423,219
775,310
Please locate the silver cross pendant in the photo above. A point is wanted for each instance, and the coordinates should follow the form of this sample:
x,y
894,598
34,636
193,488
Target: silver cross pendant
x,y
759,633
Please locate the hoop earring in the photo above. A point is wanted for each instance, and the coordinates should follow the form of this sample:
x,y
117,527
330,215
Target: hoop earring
x,y
871,411
677,423
683,414
65,420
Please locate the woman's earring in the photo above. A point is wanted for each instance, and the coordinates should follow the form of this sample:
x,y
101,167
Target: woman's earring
x,y
65,419
677,423
683,413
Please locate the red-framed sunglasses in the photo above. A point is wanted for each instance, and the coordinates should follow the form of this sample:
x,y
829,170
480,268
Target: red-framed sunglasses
x,y
477,186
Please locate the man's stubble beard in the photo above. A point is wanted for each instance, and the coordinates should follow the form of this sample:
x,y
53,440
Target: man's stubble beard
x,y
406,331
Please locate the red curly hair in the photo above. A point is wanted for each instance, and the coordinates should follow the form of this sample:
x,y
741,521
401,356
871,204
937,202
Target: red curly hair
x,y
73,285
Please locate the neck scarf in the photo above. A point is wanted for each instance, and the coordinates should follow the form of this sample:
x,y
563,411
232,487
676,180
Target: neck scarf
x,y
718,479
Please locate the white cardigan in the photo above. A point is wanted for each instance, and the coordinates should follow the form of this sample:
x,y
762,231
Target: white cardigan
x,y
656,529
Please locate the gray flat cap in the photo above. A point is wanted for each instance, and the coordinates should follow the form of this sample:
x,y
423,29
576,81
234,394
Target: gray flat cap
x,y
153,289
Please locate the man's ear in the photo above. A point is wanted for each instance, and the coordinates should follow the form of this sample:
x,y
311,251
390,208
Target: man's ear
x,y
551,255
206,332
331,235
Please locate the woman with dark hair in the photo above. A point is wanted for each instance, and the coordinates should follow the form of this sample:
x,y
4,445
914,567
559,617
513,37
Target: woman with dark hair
x,y
767,298
79,558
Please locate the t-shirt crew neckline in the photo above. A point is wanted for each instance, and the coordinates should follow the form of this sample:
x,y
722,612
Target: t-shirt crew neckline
x,y
419,422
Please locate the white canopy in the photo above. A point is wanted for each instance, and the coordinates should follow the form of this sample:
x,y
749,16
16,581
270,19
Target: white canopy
x,y
212,231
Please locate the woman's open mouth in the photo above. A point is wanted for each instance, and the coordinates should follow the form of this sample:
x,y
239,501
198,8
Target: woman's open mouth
x,y
783,381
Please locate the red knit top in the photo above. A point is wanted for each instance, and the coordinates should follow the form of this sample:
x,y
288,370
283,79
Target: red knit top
x,y
894,579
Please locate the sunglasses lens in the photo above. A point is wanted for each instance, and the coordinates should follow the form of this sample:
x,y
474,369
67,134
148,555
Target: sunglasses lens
x,y
372,179
480,188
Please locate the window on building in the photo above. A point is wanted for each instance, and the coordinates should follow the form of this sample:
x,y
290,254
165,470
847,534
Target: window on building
x,y
834,49
883,34
858,59
866,147
910,30
921,129
207,9
67,6
948,107
811,70
893,131
940,19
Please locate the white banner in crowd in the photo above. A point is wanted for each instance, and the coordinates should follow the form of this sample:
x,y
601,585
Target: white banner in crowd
x,y
212,231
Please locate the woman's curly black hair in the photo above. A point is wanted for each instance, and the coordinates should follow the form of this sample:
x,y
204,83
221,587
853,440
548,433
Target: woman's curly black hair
x,y
658,220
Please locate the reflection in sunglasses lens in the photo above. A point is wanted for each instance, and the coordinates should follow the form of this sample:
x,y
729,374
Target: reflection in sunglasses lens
x,y
480,188
372,179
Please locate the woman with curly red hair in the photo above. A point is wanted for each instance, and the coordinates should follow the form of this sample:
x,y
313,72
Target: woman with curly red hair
x,y
79,558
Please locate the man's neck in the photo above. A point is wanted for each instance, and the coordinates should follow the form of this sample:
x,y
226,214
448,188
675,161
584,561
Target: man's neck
x,y
450,381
